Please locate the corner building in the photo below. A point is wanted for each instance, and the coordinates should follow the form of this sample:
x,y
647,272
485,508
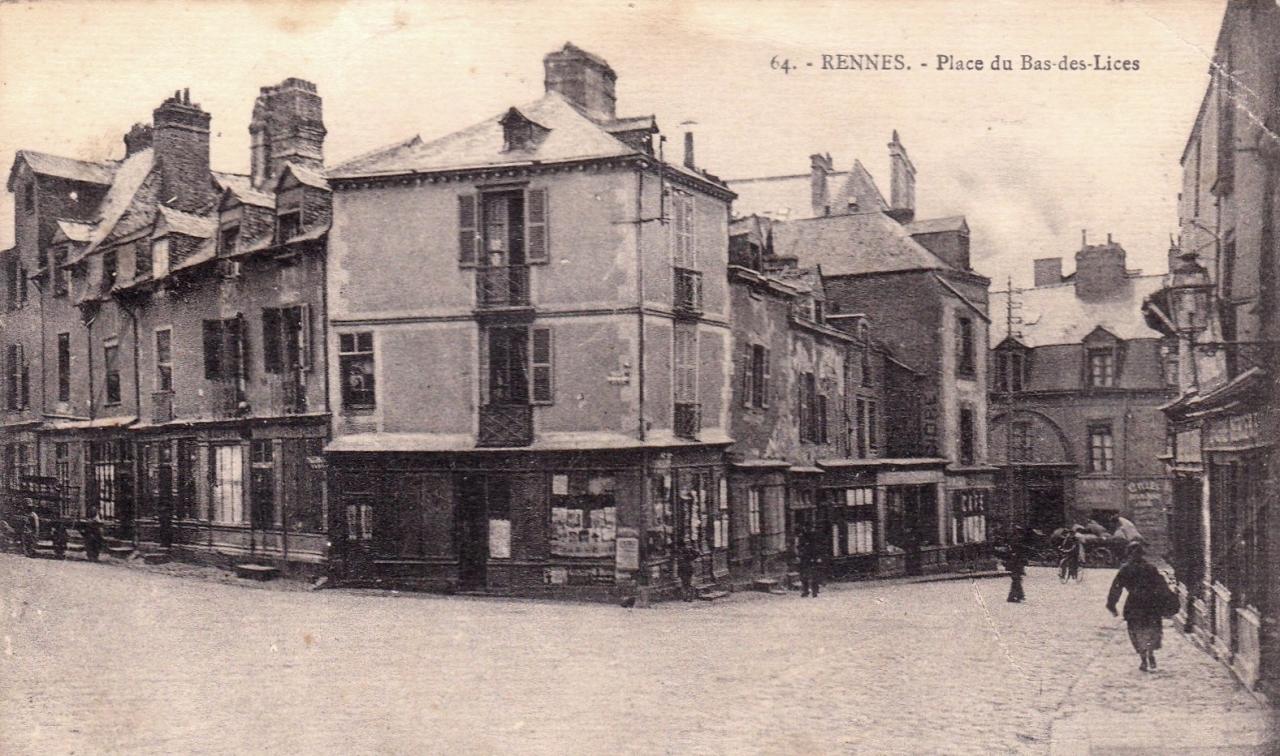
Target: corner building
x,y
530,343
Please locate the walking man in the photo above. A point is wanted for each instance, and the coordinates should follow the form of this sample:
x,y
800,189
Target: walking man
x,y
1016,563
809,553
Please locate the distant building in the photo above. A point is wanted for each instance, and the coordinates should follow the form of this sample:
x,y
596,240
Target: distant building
x,y
529,333
1220,304
1076,391
910,284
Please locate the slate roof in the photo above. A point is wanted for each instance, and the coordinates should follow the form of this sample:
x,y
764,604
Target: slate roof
x,y
131,174
937,225
853,244
74,231
242,187
571,136
1054,315
64,167
305,176
187,224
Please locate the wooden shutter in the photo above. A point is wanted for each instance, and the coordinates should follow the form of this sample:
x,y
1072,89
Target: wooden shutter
x,y
747,370
690,227
541,364
304,336
483,366
272,359
212,349
764,387
468,230
238,347
537,242
25,374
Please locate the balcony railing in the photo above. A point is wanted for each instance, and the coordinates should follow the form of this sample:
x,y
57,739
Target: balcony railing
x,y
227,399
506,286
161,406
289,394
506,425
688,291
688,420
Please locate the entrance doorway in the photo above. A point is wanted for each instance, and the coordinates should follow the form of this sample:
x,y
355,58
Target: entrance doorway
x,y
479,498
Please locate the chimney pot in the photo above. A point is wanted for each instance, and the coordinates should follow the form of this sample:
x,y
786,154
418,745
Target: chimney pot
x,y
902,182
688,150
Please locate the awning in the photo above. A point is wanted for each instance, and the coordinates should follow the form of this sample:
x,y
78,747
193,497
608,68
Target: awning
x,y
804,470
100,423
466,442
761,464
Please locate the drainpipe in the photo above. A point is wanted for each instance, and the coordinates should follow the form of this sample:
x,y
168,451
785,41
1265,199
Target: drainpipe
x,y
44,397
137,409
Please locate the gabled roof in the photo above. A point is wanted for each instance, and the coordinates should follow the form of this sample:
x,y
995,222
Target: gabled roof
x,y
241,187
853,244
955,223
571,136
305,176
129,179
1055,315
76,231
860,190
169,220
43,164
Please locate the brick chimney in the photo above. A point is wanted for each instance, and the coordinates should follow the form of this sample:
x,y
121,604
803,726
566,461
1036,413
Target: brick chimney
x,y
1100,271
181,140
585,80
902,182
287,127
1048,271
138,139
820,166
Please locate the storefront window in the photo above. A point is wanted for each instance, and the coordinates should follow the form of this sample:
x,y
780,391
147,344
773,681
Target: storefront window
x,y
693,495
583,514
661,522
969,511
853,520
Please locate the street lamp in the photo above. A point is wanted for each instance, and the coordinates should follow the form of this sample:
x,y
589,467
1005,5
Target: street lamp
x,y
1190,295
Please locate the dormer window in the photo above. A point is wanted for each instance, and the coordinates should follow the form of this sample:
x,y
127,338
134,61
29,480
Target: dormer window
x,y
288,225
1011,370
519,133
289,214
1102,368
110,269
160,257
228,239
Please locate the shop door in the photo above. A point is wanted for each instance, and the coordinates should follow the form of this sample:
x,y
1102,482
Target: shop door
x,y
472,523
1046,506
164,493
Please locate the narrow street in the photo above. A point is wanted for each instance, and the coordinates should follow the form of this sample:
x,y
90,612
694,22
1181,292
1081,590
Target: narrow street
x,y
181,665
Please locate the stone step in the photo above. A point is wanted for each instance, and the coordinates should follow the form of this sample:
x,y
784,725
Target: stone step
x,y
257,571
119,552
767,585
156,557
712,595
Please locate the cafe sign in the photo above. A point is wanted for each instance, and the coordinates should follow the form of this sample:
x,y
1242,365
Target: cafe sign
x,y
1234,432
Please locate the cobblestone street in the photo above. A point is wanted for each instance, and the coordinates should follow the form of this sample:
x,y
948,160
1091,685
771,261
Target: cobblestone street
x,y
102,658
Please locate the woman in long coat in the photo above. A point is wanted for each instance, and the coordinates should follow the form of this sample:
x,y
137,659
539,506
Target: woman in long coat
x,y
1146,587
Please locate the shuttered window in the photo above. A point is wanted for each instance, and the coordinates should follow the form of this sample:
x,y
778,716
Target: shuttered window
x,y
286,338
686,365
542,367
224,349
468,232
536,237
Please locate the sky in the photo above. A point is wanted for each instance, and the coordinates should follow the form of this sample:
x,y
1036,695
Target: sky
x,y
1029,157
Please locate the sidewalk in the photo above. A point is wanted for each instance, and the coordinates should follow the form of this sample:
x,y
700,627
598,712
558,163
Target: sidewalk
x,y
1192,705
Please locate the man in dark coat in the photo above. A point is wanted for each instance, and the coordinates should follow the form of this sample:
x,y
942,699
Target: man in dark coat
x,y
1143,608
809,555
1016,563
